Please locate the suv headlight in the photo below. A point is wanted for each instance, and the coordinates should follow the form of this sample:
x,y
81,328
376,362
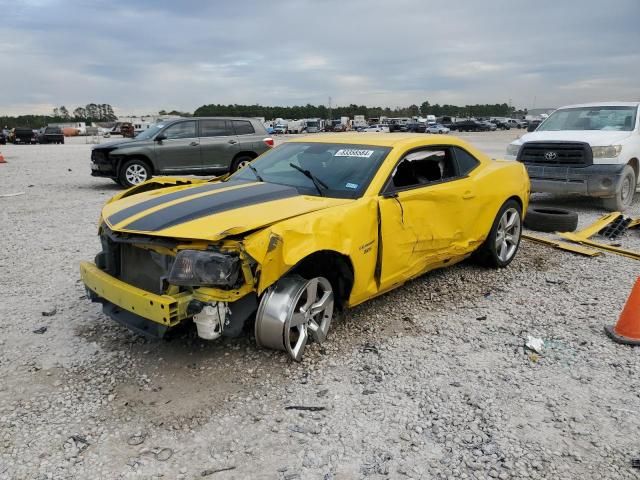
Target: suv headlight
x,y
513,149
611,151
196,268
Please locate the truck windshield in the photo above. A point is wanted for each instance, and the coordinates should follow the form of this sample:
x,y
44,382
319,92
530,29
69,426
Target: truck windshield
x,y
591,118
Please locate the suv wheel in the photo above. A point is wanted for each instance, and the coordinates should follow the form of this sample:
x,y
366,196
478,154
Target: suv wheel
x,y
240,162
134,172
624,198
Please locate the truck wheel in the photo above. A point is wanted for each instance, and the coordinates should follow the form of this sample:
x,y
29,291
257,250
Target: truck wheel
x,y
502,243
134,172
624,198
548,219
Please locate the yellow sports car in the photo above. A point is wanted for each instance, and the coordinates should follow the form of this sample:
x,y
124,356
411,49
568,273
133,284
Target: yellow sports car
x,y
306,230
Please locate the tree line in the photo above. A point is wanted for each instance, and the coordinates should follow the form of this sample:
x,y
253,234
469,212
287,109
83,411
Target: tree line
x,y
92,112
322,111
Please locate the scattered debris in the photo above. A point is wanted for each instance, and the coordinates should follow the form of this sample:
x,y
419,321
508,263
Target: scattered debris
x,y
81,443
635,463
40,330
6,195
580,250
481,318
305,408
163,454
534,344
616,228
207,472
50,313
322,393
137,439
534,357
369,347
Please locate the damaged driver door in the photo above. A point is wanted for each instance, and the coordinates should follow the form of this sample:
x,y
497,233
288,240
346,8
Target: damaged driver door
x,y
426,216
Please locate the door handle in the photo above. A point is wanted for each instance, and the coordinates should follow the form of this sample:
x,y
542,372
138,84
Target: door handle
x,y
194,144
233,142
468,195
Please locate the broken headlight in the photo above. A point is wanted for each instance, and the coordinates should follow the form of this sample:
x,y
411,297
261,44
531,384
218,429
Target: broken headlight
x,y
196,268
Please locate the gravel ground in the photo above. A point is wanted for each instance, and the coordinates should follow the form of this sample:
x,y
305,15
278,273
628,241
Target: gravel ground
x,y
428,381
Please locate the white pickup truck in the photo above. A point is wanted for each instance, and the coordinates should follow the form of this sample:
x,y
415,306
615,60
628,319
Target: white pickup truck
x,y
591,149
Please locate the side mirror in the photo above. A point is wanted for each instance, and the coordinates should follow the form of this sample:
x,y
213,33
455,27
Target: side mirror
x,y
161,137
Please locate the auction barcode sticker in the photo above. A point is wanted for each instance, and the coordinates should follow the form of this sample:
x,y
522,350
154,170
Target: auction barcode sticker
x,y
350,152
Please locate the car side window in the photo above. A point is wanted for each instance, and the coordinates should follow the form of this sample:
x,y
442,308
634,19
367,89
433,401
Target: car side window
x,y
215,128
466,161
243,127
181,130
423,167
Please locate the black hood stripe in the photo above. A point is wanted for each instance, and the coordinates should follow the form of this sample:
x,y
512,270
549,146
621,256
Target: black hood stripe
x,y
169,197
211,204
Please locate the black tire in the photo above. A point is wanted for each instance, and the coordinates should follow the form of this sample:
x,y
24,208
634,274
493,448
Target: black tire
x,y
549,219
138,165
624,198
239,161
487,254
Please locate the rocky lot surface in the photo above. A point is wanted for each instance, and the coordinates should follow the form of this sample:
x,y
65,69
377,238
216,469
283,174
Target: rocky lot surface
x,y
429,381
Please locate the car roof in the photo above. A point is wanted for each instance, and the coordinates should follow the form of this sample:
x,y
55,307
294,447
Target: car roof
x,y
211,118
378,140
603,104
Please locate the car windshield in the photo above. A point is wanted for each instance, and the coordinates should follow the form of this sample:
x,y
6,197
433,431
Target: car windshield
x,y
345,169
591,118
151,131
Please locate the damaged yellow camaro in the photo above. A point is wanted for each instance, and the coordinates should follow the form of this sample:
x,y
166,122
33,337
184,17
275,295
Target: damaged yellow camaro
x,y
311,227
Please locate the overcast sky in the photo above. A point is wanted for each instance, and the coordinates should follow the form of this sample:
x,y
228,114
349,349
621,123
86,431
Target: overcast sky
x,y
143,56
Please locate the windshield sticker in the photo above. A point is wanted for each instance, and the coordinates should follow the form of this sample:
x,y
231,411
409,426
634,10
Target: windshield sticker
x,y
351,185
350,152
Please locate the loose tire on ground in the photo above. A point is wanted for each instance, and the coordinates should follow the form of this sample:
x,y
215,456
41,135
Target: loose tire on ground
x,y
133,172
624,198
503,241
550,219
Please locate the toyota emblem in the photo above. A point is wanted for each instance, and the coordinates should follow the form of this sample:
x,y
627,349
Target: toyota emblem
x,y
550,156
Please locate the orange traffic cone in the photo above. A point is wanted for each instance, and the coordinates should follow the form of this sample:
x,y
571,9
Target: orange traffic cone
x,y
2,160
627,330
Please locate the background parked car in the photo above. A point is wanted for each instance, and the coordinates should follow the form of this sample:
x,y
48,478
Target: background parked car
x,y
501,123
416,127
3,137
192,146
50,135
437,128
492,127
469,126
23,136
376,128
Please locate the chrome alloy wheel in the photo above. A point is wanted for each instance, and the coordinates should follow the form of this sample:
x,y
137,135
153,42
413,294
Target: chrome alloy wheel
x,y
135,174
508,234
293,310
243,164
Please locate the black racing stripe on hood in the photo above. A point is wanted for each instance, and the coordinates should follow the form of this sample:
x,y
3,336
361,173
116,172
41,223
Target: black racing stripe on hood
x,y
169,197
211,204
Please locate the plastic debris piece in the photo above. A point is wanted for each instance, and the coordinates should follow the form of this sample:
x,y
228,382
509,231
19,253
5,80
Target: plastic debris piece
x,y
305,408
40,330
616,228
534,344
50,313
211,471
137,439
164,454
6,195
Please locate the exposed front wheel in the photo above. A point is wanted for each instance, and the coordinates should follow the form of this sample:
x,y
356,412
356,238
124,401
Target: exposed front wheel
x,y
624,198
134,172
500,247
294,311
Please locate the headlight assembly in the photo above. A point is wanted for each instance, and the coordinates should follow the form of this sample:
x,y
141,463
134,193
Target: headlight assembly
x,y
513,149
611,151
196,268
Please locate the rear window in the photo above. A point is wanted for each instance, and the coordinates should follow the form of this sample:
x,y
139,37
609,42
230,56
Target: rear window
x,y
215,128
243,127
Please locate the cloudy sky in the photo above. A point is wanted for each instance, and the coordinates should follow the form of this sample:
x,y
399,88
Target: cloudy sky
x,y
146,55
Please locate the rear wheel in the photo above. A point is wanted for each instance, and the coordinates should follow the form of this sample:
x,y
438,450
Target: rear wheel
x,y
624,198
240,162
133,172
501,246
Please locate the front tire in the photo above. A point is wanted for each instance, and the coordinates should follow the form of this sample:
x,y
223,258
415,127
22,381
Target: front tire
x,y
134,172
623,198
503,241
240,162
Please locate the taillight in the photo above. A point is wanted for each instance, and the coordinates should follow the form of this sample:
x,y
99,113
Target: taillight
x,y
268,142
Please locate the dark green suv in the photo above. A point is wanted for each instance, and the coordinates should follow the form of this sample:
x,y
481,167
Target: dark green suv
x,y
194,146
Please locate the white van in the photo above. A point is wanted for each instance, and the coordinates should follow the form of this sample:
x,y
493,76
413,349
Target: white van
x,y
590,149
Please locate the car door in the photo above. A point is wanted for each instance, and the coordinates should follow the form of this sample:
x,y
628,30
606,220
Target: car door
x,y
177,148
426,214
218,144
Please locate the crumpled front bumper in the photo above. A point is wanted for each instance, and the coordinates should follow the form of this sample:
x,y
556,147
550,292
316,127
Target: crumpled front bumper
x,y
592,180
